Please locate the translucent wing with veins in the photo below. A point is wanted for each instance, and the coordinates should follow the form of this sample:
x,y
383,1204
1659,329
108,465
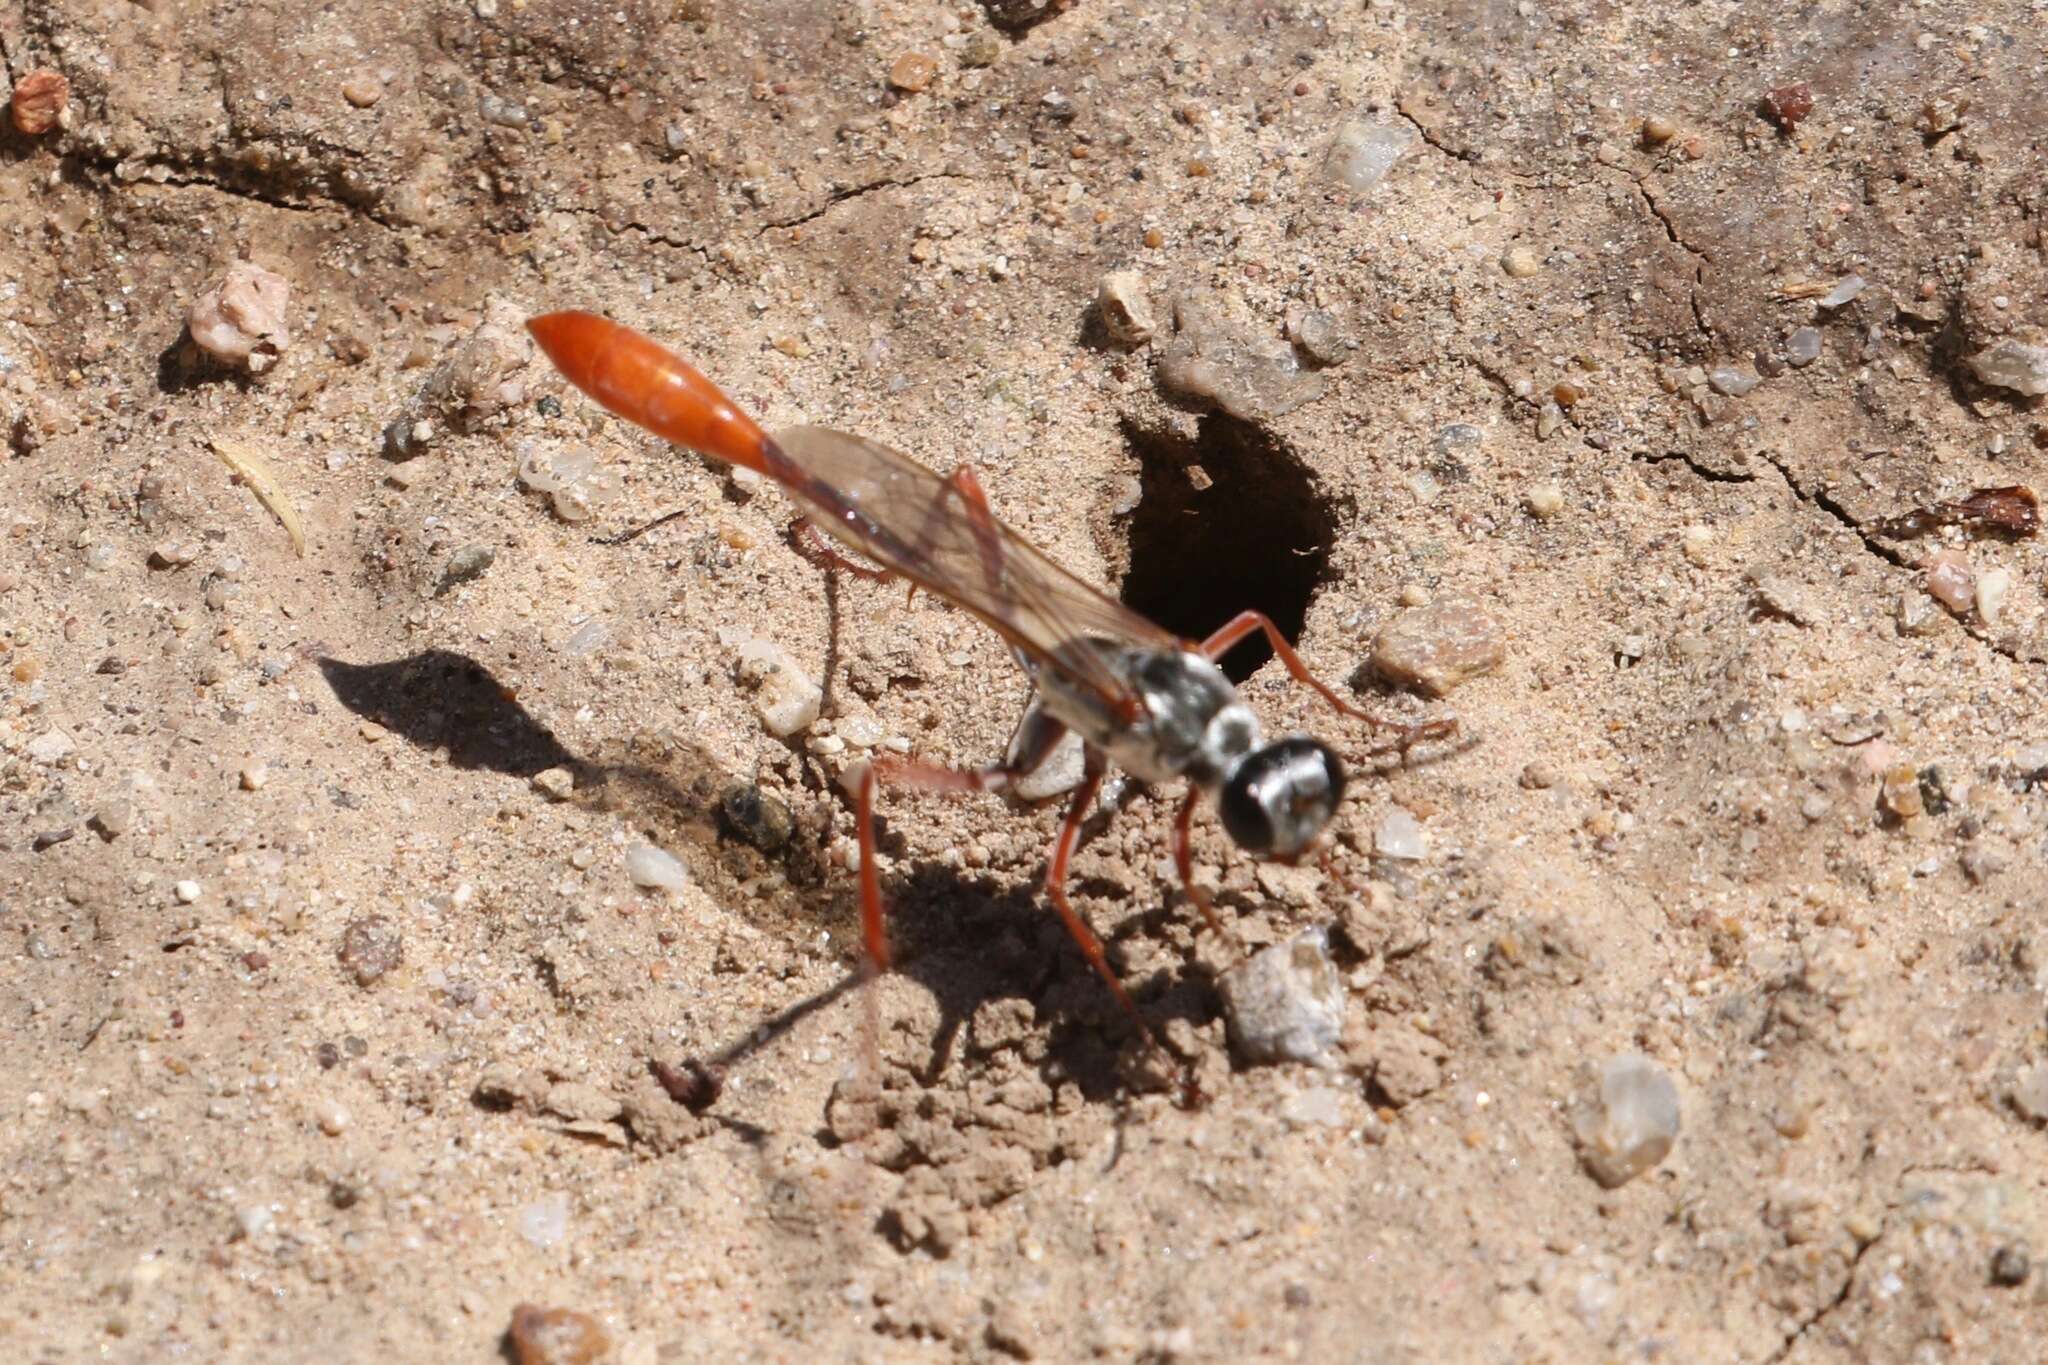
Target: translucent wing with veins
x,y
935,531
942,537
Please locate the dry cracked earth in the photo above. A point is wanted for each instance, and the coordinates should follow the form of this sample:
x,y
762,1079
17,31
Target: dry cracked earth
x,y
1676,338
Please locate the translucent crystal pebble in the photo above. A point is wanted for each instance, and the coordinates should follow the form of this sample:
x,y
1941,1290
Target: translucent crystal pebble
x,y
1362,153
1630,1124
2013,364
580,498
1401,836
1845,292
655,868
786,697
541,470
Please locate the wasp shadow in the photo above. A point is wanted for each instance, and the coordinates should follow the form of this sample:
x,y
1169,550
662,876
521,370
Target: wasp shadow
x,y
440,698
968,940
975,942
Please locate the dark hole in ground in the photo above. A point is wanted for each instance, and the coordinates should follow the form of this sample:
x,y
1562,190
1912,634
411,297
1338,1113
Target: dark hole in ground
x,y
1227,521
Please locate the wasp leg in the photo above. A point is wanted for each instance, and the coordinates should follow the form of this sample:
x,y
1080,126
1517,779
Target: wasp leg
x,y
1091,946
1037,735
1239,627
1056,890
807,540
1184,862
1034,743
967,486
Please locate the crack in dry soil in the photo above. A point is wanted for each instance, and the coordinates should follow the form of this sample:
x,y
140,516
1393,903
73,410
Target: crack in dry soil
x,y
840,196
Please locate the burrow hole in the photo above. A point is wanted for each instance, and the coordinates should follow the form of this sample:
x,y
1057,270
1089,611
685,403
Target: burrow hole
x,y
1226,521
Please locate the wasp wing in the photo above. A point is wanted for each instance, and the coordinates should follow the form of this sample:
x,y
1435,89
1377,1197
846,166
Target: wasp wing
x,y
940,534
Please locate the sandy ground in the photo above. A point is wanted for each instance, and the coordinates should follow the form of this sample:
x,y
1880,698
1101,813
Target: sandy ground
x,y
1742,797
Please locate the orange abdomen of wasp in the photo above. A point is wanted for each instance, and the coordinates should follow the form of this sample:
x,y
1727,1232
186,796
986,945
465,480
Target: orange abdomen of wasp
x,y
644,382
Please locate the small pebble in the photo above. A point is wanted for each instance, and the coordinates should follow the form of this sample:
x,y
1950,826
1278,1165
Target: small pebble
x,y
1658,130
1363,152
1802,348
982,49
331,1116
555,1336
2010,1265
1789,105
786,698
1319,1106
371,946
255,777
862,732
468,563
502,113
1319,339
173,554
586,497
1286,1003
1916,615
2015,365
556,784
240,318
50,747
1401,837
1520,263
1901,792
1125,307
186,891
1630,1124
1848,290
1951,582
588,638
40,100
1786,598
912,72
1458,439
1726,379
254,1220
1992,587
545,1222
362,91
1219,355
2029,1093
655,868
1436,648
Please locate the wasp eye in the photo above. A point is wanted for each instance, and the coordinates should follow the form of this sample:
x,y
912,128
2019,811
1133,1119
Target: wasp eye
x,y
1280,797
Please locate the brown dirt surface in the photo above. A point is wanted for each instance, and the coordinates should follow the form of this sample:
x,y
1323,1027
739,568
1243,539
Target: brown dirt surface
x,y
331,1011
